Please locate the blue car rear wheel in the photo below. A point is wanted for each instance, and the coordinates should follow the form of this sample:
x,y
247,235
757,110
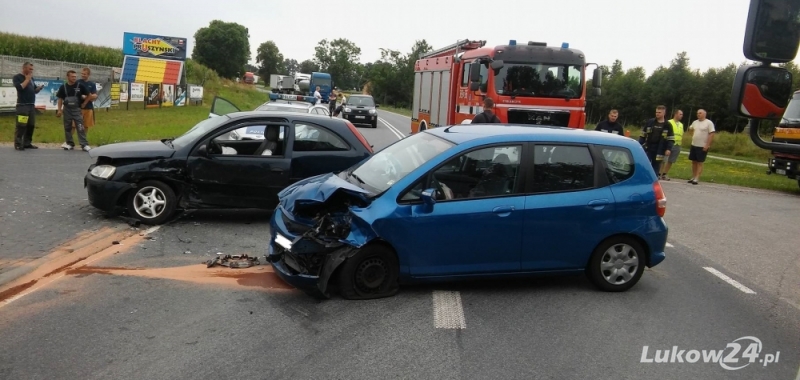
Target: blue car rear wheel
x,y
617,264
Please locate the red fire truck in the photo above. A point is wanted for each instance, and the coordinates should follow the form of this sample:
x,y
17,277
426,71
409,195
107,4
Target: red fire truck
x,y
530,84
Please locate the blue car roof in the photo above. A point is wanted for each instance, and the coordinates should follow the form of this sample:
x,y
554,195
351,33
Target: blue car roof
x,y
490,133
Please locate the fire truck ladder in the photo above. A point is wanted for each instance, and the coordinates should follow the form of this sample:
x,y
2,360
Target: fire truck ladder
x,y
456,47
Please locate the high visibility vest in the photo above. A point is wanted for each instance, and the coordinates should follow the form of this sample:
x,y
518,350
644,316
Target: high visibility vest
x,y
677,129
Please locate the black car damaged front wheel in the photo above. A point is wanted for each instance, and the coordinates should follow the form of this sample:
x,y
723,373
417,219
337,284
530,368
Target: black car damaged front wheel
x,y
371,273
152,202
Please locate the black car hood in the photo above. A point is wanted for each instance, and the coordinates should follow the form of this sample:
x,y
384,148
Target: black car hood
x,y
134,149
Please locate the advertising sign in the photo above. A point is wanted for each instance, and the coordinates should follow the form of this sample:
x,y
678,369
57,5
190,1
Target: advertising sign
x,y
103,95
115,95
153,46
168,97
195,92
137,92
180,95
153,95
8,94
46,98
123,92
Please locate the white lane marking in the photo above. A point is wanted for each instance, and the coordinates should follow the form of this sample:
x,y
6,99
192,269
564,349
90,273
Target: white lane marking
x,y
670,245
40,284
392,129
729,280
448,313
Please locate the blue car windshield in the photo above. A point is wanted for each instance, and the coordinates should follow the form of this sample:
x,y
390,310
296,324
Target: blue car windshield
x,y
396,161
199,130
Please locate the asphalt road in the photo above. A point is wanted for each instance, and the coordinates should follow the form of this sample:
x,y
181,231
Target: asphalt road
x,y
147,309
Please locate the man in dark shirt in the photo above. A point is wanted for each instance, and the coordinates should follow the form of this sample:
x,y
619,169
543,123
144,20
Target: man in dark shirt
x,y
71,96
487,116
657,139
87,107
26,107
610,125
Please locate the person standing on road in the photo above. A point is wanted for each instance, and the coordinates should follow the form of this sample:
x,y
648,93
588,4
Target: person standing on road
x,y
677,130
702,131
332,102
25,107
487,116
71,96
318,96
657,139
87,107
611,125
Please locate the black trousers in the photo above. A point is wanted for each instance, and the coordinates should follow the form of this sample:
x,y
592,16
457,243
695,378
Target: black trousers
x,y
26,122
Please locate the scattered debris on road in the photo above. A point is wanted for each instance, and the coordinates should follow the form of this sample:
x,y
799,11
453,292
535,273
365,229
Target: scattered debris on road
x,y
235,261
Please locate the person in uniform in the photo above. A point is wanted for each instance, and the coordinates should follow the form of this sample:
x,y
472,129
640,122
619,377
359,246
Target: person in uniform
x,y
657,139
25,108
87,107
72,96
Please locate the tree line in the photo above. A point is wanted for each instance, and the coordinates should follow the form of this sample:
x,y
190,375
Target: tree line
x,y
224,47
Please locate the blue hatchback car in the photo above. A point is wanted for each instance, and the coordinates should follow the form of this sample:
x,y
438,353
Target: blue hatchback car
x,y
471,201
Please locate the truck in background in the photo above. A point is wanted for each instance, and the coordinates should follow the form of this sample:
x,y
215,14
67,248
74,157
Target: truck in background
x,y
302,84
764,92
530,84
249,78
787,132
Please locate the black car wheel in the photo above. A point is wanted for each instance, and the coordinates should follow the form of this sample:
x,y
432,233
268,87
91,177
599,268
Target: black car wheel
x,y
371,273
617,264
152,202
375,124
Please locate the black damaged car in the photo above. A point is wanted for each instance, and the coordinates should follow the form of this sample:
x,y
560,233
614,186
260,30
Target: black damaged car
x,y
208,167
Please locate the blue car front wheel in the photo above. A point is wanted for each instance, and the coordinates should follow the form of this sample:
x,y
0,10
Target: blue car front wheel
x,y
371,273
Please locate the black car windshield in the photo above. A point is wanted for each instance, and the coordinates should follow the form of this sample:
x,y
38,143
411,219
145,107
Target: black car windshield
x,y
282,107
360,101
396,161
549,80
199,130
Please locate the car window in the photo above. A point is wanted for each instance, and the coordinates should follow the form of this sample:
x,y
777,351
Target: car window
x,y
312,138
363,101
487,172
619,164
562,168
250,140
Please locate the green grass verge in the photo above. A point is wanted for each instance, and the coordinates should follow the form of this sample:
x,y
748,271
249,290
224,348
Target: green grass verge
x,y
734,173
402,111
136,123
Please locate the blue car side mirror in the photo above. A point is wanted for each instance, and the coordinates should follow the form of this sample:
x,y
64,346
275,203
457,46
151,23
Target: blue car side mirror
x,y
428,198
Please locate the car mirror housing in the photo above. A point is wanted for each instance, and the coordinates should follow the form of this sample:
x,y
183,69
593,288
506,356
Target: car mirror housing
x,y
202,151
428,197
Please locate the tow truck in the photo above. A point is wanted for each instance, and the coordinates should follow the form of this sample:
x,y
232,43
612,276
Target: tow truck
x,y
764,92
530,84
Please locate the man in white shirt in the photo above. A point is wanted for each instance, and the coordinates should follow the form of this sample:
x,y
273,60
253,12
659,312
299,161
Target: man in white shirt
x,y
318,96
702,131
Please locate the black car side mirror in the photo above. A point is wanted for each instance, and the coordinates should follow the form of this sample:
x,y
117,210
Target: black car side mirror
x,y
202,151
377,106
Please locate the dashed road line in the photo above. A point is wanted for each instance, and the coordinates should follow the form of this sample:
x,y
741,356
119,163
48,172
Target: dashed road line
x,y
729,280
448,312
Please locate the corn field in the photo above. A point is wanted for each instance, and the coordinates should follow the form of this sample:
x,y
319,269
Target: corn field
x,y
59,50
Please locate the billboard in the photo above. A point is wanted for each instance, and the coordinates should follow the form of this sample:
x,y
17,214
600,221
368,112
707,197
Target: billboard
x,y
153,46
8,94
138,69
137,92
154,95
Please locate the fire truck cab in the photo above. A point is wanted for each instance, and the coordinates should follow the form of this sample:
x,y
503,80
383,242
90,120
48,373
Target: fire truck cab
x,y
530,84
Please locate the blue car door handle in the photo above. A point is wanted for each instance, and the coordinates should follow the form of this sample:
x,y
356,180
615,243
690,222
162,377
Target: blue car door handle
x,y
503,210
598,204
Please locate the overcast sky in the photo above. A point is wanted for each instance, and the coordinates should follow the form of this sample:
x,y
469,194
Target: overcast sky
x,y
645,33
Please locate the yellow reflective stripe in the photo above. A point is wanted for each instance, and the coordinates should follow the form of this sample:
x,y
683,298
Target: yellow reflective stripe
x,y
22,119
